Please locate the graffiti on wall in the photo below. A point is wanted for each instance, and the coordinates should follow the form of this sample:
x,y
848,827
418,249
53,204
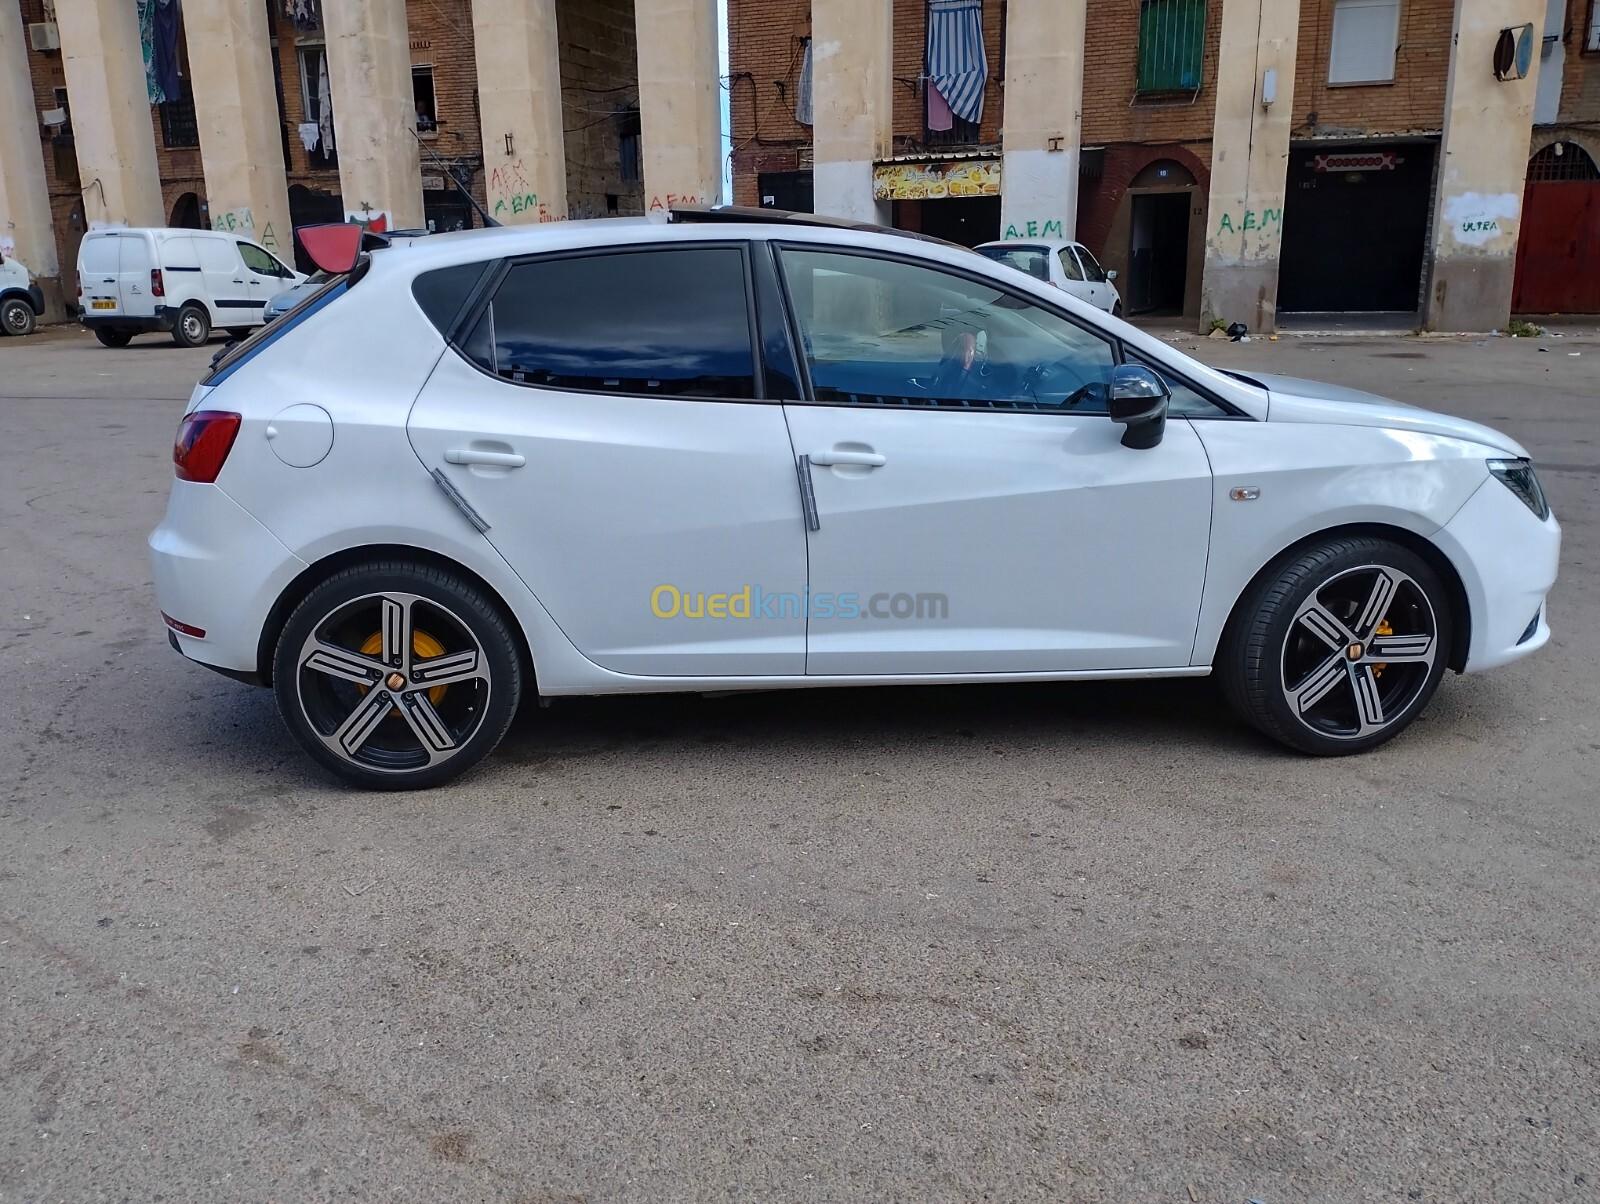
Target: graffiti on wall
x,y
1250,220
662,201
1050,227
1475,219
512,196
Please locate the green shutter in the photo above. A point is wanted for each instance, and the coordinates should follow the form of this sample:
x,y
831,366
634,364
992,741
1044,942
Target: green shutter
x,y
1172,35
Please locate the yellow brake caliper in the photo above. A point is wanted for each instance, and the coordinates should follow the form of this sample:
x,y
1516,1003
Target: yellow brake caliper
x,y
423,646
1383,629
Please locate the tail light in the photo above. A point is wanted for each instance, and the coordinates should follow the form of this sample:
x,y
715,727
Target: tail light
x,y
158,287
204,440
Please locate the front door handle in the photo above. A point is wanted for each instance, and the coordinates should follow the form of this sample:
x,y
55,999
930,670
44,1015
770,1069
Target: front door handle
x,y
472,455
839,455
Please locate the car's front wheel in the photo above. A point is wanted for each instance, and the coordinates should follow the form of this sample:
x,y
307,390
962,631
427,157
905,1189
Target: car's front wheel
x,y
16,316
397,676
1339,649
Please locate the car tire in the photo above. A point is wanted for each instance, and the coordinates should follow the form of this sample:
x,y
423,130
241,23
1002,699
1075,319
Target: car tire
x,y
443,703
1116,309
17,316
240,332
1339,648
113,338
193,327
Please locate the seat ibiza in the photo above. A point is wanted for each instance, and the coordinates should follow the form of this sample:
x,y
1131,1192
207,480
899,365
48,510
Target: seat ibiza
x,y
738,451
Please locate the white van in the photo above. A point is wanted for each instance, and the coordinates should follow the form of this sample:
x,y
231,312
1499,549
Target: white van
x,y
184,281
21,300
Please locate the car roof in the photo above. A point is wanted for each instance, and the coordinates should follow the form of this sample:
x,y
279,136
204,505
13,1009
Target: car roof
x,y
1054,244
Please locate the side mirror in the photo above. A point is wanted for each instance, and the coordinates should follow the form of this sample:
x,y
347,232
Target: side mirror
x,y
1138,399
1111,275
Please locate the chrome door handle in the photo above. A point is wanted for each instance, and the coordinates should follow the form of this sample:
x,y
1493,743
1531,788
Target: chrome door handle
x,y
867,459
474,456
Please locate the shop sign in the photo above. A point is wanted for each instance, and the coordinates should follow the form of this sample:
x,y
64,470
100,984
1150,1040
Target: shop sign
x,y
1357,161
936,180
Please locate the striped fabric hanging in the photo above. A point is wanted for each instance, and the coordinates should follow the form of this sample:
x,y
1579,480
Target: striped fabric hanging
x,y
956,61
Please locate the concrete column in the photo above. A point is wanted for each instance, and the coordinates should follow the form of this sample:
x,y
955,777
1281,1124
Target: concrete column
x,y
852,71
111,124
1483,165
26,234
1043,118
680,106
241,148
374,113
1250,162
524,153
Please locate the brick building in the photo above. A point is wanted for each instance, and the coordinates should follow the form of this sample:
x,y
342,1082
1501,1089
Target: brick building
x,y
1367,97
600,116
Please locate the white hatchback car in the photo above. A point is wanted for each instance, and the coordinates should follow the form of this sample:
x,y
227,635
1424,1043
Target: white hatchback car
x,y
1068,265
737,452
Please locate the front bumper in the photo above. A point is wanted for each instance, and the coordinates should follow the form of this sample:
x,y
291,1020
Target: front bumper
x,y
1507,559
220,571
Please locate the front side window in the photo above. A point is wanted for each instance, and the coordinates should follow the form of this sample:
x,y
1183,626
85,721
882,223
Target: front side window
x,y
668,323
1092,271
1069,264
1032,260
259,261
1187,402
883,332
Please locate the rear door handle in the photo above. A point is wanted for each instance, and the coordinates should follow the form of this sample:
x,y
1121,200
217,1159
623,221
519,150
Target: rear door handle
x,y
472,455
867,459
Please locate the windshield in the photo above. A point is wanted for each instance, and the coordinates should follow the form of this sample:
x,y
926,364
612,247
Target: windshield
x,y
1033,260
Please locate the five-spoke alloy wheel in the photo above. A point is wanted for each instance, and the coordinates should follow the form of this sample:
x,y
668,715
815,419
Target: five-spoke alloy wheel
x,y
1341,649
397,675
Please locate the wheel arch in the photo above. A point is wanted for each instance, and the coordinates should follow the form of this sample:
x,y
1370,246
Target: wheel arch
x,y
1460,608
319,571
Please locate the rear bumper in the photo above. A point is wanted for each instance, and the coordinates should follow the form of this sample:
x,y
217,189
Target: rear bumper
x,y
219,571
162,320
1507,559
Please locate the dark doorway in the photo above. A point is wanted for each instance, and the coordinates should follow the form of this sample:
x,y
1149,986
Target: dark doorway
x,y
186,213
444,210
1354,227
1158,252
966,221
311,207
1558,247
791,190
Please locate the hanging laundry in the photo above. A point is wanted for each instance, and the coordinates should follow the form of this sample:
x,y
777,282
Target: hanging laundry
x,y
303,13
939,114
310,135
324,106
147,34
956,60
802,90
164,50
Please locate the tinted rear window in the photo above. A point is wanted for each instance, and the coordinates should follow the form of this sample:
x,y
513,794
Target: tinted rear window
x,y
669,322
442,292
1033,260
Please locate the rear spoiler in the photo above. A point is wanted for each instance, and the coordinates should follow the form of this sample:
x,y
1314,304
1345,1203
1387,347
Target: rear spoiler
x,y
336,246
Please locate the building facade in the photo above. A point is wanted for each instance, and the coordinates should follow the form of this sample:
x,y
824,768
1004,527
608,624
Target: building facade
x,y
283,113
1229,159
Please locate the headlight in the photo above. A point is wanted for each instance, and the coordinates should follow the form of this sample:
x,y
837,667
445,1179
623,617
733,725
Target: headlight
x,y
1518,476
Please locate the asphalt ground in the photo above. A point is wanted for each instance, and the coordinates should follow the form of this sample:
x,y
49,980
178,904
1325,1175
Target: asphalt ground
x,y
1078,942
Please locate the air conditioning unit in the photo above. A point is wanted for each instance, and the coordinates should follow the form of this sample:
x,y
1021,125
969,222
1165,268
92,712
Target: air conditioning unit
x,y
53,118
44,35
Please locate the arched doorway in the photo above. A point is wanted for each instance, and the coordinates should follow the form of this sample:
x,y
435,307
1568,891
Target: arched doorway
x,y
1558,245
186,213
1161,194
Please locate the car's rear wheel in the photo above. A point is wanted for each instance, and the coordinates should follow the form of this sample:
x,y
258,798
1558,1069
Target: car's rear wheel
x,y
240,332
397,676
192,328
113,338
1341,648
16,316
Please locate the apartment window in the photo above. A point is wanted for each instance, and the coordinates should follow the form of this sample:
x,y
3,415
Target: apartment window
x,y
629,163
316,108
1365,35
1591,39
179,128
422,96
64,130
1172,37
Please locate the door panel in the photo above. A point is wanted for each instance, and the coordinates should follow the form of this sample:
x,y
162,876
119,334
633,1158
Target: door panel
x,y
1558,248
663,533
1056,548
134,269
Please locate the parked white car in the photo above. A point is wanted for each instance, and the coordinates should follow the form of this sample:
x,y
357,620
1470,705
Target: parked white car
x,y
737,452
1068,265
21,300
187,282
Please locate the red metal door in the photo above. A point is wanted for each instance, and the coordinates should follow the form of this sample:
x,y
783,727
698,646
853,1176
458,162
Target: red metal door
x,y
1558,250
